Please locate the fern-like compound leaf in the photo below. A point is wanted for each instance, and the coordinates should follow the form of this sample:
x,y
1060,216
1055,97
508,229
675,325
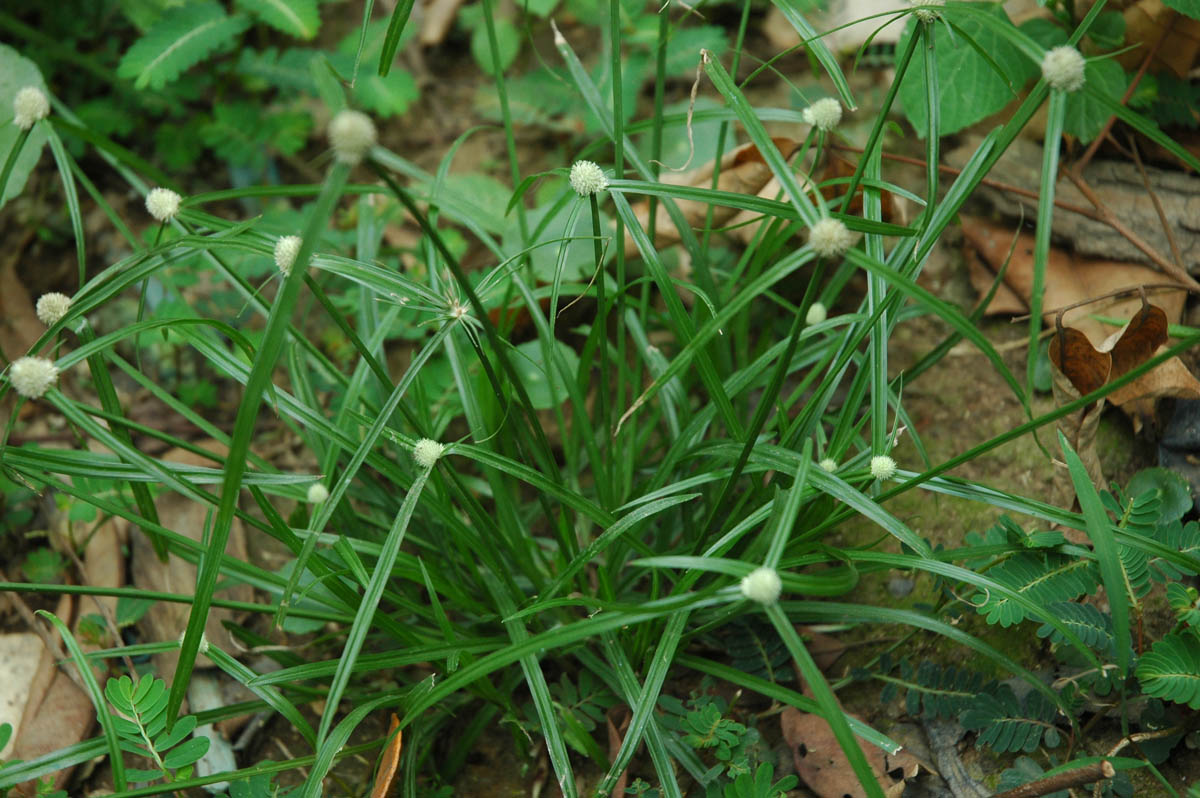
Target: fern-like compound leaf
x,y
1183,538
1089,624
298,18
1185,601
1042,578
182,38
1004,725
1171,669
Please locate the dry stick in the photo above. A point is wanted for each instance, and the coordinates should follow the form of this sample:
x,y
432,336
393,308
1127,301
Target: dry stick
x,y
1087,774
987,181
1158,208
1088,154
1138,289
1112,221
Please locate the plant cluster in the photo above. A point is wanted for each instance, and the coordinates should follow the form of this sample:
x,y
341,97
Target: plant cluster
x,y
529,520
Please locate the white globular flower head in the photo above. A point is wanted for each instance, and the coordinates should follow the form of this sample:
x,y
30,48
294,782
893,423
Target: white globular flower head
x,y
824,114
924,9
830,237
817,313
29,105
317,493
426,452
163,204
587,178
351,134
52,307
828,464
883,467
762,585
1063,68
286,250
33,376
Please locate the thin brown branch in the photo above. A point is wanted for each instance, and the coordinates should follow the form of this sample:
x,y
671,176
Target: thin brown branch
x,y
1110,218
1158,208
1097,771
987,181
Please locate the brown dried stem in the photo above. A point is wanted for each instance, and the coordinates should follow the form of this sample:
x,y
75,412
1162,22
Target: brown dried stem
x,y
1110,218
1097,771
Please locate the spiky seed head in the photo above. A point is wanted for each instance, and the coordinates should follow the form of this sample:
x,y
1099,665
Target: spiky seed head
x,y
33,376
816,314
163,204
830,237
317,493
587,178
828,464
29,105
426,452
351,134
286,250
52,307
762,585
824,114
883,467
1063,68
924,9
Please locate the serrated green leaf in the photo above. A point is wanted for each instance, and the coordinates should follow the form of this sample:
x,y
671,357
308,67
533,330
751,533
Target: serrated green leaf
x,y
969,89
290,70
299,18
187,753
182,38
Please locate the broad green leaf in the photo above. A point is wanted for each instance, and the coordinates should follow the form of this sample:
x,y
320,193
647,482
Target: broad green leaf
x,y
532,369
1190,8
386,96
968,87
299,18
187,753
15,74
508,40
182,38
1085,116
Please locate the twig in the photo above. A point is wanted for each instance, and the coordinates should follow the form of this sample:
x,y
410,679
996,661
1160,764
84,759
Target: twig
x,y
1112,221
1158,208
61,658
1087,774
987,181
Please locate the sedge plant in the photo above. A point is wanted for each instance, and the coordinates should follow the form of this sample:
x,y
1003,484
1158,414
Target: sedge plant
x,y
528,532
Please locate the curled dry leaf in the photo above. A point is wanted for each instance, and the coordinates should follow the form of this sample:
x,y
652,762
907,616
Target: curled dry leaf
x,y
822,765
